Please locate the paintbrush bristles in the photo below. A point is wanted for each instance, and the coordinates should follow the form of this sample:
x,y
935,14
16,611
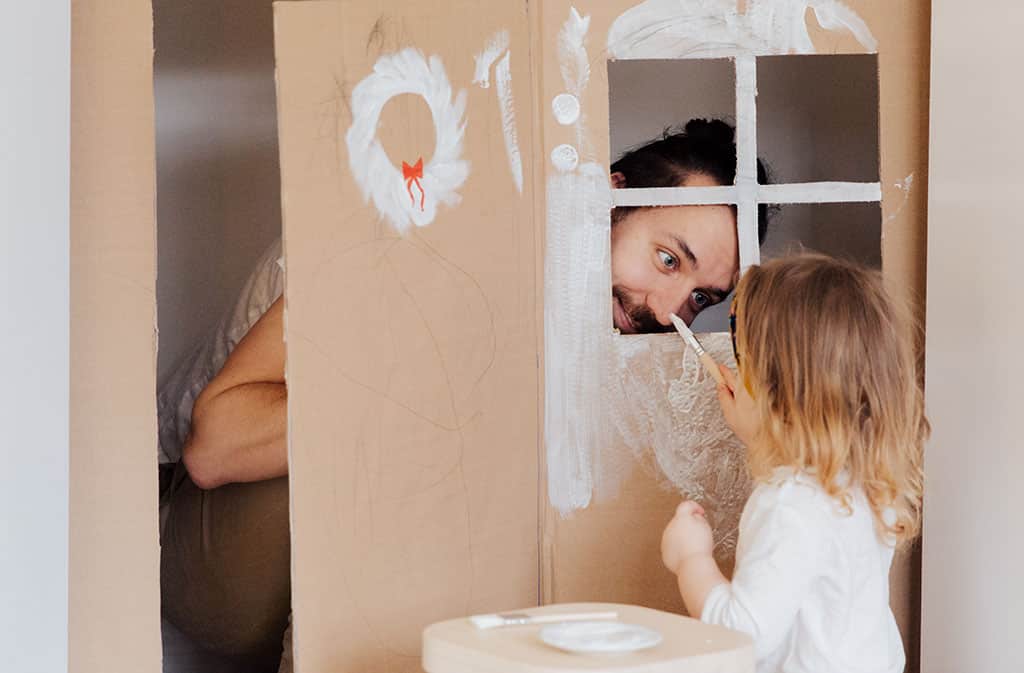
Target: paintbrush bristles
x,y
687,334
702,355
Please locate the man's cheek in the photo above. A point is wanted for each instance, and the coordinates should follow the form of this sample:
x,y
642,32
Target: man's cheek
x,y
635,278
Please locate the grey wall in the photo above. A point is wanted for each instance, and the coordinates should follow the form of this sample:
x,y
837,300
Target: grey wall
x,y
34,329
218,185
817,120
218,181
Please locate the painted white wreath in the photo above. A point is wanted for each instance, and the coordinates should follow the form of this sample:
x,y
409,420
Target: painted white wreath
x,y
412,194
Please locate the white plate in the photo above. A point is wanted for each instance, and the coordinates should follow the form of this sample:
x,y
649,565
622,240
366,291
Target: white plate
x,y
599,637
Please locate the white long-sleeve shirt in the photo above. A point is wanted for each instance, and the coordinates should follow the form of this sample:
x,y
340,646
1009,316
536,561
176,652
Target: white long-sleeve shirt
x,y
811,583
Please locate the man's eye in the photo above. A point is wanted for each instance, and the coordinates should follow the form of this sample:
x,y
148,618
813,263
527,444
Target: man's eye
x,y
669,261
701,299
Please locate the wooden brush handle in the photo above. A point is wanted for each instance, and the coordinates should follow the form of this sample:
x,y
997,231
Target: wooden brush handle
x,y
712,367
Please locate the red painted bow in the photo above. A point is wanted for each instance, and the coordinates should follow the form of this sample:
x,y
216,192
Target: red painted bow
x,y
412,174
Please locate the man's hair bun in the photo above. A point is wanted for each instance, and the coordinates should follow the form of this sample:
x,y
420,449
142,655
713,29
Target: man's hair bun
x,y
710,131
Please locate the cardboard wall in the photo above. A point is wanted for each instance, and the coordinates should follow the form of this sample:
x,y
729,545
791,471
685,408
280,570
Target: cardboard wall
x,y
412,361
359,394
973,552
114,601
610,551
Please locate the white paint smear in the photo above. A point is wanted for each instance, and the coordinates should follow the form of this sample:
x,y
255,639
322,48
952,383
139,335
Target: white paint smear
x,y
577,304
566,108
572,52
664,410
485,59
498,46
576,333
565,158
503,77
574,64
904,185
715,28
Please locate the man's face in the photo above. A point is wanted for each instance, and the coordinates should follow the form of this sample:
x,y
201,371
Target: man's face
x,y
675,259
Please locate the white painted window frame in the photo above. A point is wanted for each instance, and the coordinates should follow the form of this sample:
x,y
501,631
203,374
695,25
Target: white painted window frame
x,y
746,194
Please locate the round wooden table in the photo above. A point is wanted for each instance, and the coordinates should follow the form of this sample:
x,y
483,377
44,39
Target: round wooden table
x,y
688,646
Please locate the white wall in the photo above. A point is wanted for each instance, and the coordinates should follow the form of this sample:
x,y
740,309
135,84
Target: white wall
x,y
34,175
218,181
973,583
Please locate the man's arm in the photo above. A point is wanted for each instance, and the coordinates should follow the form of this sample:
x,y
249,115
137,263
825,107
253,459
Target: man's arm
x,y
239,421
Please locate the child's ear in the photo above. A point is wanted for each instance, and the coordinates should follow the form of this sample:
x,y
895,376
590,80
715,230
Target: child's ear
x,y
618,180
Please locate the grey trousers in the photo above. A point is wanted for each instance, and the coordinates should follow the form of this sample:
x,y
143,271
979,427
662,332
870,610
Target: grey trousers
x,y
225,567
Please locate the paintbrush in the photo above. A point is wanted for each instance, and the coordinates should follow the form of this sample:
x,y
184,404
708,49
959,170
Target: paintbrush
x,y
702,355
523,619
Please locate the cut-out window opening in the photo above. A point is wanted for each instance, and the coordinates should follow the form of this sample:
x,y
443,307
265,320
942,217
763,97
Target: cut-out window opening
x,y
812,120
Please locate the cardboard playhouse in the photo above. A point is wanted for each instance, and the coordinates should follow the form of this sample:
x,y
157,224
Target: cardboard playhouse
x,y
467,432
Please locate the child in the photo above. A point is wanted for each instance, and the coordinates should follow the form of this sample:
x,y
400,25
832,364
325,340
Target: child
x,y
830,407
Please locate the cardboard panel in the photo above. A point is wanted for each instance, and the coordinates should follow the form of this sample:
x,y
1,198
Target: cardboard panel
x,y
609,551
412,358
114,611
385,467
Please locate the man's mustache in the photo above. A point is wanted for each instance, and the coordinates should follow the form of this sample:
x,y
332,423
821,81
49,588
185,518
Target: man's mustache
x,y
642,316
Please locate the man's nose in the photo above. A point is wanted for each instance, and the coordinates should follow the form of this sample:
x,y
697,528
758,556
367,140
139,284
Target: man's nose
x,y
671,300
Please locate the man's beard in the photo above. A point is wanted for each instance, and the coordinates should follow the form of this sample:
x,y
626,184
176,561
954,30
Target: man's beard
x,y
640,314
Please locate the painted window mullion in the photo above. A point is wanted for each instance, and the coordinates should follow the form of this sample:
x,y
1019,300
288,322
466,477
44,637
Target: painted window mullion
x,y
821,192
797,192
746,160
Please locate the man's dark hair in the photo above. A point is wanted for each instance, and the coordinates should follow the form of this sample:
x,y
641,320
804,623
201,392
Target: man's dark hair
x,y
704,146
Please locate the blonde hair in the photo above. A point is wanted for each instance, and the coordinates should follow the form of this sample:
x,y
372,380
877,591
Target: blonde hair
x,y
830,359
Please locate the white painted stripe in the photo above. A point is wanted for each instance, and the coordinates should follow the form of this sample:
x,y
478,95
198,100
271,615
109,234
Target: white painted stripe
x,y
821,192
805,192
746,160
503,79
486,58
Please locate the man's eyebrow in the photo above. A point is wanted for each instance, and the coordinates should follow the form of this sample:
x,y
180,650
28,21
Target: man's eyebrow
x,y
720,294
685,249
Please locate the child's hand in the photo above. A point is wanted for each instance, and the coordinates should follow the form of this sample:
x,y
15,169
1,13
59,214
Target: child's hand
x,y
687,534
740,411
